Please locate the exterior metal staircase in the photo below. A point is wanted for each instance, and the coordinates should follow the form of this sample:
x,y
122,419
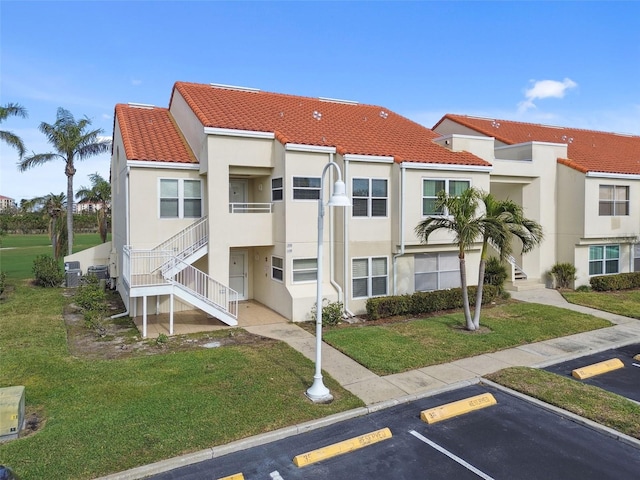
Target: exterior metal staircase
x,y
167,269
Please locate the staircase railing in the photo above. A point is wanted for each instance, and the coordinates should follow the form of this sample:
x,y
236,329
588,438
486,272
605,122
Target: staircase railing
x,y
187,241
515,268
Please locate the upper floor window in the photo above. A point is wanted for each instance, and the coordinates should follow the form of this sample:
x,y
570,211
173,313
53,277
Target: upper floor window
x,y
431,188
614,200
305,269
306,188
370,277
276,189
277,268
180,198
369,197
604,259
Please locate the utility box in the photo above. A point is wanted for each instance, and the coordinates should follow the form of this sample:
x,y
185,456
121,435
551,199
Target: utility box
x,y
100,271
73,277
11,412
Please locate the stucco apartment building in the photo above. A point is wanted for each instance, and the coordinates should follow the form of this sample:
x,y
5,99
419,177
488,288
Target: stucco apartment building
x,y
215,200
6,203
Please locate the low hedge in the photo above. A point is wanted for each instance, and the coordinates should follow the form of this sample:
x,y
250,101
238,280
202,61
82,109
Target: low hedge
x,y
620,281
420,303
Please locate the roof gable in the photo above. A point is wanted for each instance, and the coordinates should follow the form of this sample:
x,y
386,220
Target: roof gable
x,y
150,134
349,127
588,150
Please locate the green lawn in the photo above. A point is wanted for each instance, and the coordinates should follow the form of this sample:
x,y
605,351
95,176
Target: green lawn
x,y
591,402
398,347
623,302
111,415
18,251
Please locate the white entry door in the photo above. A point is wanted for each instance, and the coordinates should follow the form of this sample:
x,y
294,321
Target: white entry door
x,y
238,273
238,194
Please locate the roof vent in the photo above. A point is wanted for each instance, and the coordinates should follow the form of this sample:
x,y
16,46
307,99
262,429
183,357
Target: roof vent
x,y
337,100
495,124
567,139
317,115
234,87
383,114
141,105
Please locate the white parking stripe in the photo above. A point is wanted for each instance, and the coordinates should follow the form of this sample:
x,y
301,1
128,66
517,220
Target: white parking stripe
x,y
635,365
467,465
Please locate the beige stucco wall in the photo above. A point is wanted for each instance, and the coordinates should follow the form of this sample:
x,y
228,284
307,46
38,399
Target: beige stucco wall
x,y
610,226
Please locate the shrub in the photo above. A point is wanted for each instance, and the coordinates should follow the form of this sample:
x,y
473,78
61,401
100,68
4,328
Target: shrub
x,y
90,295
495,273
583,288
47,271
420,303
564,274
620,281
331,312
3,280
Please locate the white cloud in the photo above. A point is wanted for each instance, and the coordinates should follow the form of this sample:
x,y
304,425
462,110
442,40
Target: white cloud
x,y
545,89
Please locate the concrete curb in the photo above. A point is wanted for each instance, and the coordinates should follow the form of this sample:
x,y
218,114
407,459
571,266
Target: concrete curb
x,y
634,442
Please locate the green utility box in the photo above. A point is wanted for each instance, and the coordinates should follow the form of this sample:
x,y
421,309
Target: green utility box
x,y
11,412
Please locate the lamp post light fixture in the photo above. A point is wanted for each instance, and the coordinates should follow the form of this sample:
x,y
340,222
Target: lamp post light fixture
x,y
318,392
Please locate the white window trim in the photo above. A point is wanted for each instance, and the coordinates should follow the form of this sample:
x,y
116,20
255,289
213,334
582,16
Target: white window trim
x,y
181,197
294,188
293,271
281,269
446,188
369,198
604,260
370,276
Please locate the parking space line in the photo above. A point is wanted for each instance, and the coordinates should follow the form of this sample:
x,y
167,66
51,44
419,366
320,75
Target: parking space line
x,y
635,365
451,455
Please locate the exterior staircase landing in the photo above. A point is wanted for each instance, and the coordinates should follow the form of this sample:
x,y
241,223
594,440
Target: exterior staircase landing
x,y
522,285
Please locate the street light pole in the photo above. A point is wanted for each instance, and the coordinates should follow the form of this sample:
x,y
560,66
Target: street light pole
x,y
318,392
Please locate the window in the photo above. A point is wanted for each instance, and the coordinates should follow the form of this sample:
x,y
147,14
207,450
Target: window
x,y
276,189
436,271
431,188
614,200
604,259
369,197
277,268
369,277
636,257
305,270
306,188
180,198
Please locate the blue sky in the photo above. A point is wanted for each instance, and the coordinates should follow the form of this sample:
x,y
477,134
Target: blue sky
x,y
562,63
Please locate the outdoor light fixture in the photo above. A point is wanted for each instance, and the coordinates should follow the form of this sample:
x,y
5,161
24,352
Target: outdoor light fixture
x,y
318,392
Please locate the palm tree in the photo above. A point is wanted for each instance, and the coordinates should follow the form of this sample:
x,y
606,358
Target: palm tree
x,y
52,206
71,142
462,220
11,139
504,220
100,193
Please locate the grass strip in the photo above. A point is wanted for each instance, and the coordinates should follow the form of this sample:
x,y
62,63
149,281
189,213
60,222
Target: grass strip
x,y
622,302
398,347
588,401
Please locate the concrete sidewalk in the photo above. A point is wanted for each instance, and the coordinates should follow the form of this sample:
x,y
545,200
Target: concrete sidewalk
x,y
372,388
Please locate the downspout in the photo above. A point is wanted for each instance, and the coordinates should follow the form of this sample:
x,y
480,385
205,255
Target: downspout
x,y
395,257
345,235
331,247
126,209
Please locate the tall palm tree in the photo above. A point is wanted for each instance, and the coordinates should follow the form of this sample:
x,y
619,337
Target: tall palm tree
x,y
71,141
11,139
52,207
100,193
461,219
504,219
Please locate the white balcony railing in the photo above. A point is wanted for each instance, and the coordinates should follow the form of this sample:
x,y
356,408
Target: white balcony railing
x,y
250,207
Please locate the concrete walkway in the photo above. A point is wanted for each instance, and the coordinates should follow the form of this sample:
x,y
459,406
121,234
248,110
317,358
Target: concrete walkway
x,y
372,388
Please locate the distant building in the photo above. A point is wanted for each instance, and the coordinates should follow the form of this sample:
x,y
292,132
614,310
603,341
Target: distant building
x,y
6,203
87,207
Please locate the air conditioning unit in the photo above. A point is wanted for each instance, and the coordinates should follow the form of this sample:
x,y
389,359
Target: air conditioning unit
x,y
100,271
73,276
11,412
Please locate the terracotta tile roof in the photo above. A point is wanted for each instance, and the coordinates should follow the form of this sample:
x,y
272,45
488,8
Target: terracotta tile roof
x,y
150,133
350,128
588,150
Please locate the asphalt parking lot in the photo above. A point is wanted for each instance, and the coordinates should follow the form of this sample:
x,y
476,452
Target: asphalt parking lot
x,y
512,439
624,381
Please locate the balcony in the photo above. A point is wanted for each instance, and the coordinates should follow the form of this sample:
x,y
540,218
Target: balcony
x,y
250,224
